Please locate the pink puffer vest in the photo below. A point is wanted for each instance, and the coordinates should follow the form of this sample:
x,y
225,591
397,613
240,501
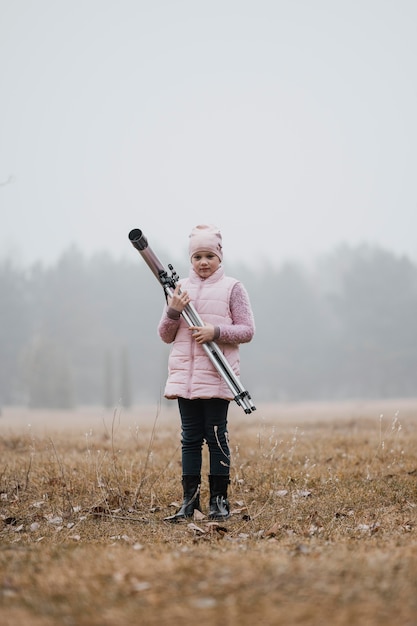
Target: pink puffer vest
x,y
191,373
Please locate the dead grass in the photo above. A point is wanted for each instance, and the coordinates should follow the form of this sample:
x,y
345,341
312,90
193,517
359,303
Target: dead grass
x,y
323,530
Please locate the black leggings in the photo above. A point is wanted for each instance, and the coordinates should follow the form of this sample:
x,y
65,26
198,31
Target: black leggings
x,y
204,420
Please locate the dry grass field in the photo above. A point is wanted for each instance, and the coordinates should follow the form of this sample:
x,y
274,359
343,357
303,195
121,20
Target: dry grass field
x,y
323,531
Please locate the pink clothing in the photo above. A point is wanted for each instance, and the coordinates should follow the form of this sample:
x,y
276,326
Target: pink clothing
x,y
223,302
206,237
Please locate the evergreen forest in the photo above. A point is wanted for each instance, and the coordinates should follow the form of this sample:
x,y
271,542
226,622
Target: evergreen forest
x,y
83,330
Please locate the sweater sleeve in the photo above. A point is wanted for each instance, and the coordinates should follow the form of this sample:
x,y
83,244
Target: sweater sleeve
x,y
168,325
243,327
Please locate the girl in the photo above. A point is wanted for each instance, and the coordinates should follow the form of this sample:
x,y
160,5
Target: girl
x,y
203,396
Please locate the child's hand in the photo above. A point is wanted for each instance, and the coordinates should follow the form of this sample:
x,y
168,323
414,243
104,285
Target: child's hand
x,y
178,301
203,334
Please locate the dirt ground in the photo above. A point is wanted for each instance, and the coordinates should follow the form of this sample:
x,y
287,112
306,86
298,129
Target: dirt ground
x,y
323,526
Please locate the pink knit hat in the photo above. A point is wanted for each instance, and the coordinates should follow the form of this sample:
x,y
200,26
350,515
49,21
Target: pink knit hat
x,y
206,238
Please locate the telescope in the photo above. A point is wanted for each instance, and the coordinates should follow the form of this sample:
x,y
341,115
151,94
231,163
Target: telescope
x,y
168,281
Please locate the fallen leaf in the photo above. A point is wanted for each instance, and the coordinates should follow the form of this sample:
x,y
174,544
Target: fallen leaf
x,y
198,515
53,519
273,530
196,529
238,511
99,511
302,493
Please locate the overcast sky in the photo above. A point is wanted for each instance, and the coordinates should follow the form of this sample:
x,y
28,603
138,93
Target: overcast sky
x,y
291,124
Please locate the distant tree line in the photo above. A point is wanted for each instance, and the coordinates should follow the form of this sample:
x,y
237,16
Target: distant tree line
x,y
83,331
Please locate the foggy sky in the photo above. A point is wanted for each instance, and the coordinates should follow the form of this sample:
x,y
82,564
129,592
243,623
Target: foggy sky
x,y
291,124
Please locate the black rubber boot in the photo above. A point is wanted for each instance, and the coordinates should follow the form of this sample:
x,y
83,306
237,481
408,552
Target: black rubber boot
x,y
219,504
191,490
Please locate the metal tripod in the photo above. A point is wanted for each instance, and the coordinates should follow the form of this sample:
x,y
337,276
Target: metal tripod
x,y
240,395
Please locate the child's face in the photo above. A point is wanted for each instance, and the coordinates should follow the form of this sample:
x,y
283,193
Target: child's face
x,y
205,263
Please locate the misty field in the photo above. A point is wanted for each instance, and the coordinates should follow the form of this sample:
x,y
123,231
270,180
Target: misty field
x,y
323,530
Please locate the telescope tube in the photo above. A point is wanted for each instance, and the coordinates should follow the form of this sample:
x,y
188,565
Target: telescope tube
x,y
139,241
